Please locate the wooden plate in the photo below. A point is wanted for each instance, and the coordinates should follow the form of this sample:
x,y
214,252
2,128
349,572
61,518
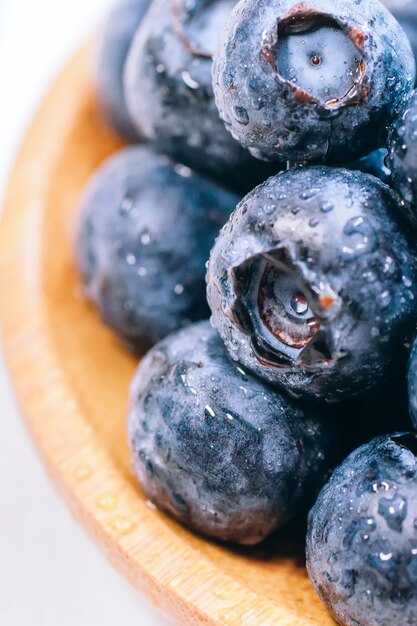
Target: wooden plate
x,y
72,378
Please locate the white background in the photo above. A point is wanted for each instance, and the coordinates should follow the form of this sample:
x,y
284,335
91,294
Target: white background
x,y
50,572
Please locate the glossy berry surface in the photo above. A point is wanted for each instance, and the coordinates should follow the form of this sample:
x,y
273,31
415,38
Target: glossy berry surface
x,y
316,81
412,384
311,283
115,41
217,449
170,95
362,536
403,153
144,236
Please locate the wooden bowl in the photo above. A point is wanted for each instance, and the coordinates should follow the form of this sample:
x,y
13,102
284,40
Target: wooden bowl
x,y
72,378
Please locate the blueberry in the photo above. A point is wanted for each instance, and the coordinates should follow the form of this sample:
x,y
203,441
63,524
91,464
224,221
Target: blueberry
x,y
114,45
405,12
218,450
311,283
403,153
374,163
362,536
297,69
145,233
170,96
412,384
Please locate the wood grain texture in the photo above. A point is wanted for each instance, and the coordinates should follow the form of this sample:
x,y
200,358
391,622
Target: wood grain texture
x,y
72,378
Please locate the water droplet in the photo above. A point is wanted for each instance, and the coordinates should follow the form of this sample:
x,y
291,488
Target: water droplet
x,y
145,238
122,524
385,556
407,281
241,115
309,193
142,271
189,80
82,472
394,511
179,289
182,170
131,259
385,299
362,237
326,207
151,505
209,411
127,205
107,502
314,222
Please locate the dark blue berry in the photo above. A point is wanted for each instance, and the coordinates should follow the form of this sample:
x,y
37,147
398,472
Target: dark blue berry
x,y
312,283
319,80
218,450
145,233
170,95
115,42
403,153
362,536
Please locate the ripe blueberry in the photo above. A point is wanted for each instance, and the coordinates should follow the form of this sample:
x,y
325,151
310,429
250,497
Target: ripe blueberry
x,y
218,450
145,233
311,283
170,96
362,536
316,81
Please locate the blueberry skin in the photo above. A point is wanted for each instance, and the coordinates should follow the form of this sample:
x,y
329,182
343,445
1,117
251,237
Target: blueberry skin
x,y
275,118
115,41
332,241
170,96
412,384
405,12
144,235
362,536
374,164
402,145
218,450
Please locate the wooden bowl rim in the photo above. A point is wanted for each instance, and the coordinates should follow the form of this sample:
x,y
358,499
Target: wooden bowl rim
x,y
174,576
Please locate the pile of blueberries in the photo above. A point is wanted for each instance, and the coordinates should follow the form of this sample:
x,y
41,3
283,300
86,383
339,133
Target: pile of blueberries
x,y
236,423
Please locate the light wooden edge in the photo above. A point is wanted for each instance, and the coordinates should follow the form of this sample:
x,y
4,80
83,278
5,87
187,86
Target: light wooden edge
x,y
177,579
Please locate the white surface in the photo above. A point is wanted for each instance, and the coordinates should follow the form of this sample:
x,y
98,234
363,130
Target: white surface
x,y
50,572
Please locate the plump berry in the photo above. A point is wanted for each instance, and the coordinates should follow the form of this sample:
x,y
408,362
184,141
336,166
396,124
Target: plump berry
x,y
412,384
170,95
403,153
115,41
312,283
144,236
217,449
316,81
362,536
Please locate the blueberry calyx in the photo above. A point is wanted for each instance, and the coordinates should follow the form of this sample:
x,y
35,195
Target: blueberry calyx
x,y
286,313
302,34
